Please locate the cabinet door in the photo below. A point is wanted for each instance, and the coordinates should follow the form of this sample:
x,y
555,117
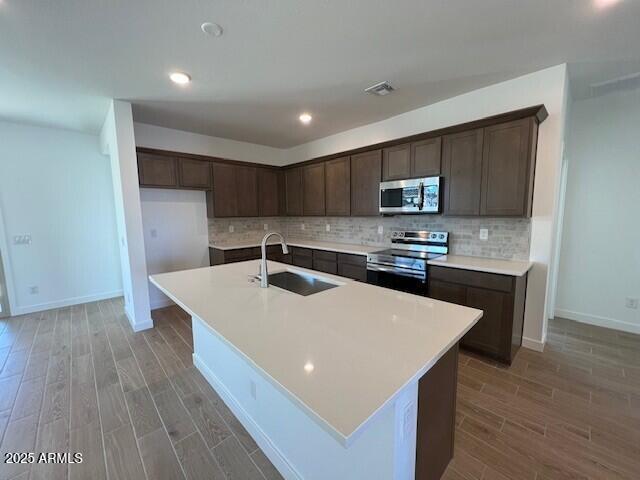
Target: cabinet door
x,y
505,168
462,169
366,172
492,333
268,194
448,292
194,173
338,186
282,194
313,189
293,182
247,191
157,171
396,162
224,191
425,157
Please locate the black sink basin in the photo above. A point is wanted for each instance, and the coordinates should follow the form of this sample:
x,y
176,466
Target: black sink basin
x,y
299,283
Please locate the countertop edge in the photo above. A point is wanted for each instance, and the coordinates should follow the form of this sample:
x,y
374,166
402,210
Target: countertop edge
x,y
345,440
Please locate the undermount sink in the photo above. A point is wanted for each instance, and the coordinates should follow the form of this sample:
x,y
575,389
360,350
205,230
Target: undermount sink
x,y
300,283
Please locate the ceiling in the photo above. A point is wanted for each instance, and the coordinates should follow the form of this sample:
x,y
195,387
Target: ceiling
x,y
60,61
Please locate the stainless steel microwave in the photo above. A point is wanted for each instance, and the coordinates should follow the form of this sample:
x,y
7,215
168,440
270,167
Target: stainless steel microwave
x,y
417,195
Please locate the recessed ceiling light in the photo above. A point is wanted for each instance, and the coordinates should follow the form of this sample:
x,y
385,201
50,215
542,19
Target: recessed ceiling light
x,y
180,78
305,118
308,367
603,4
212,29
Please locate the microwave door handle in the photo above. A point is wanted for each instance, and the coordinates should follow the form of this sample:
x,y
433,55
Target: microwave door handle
x,y
421,201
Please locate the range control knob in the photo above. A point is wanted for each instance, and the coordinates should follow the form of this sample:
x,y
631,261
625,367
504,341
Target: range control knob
x,y
441,236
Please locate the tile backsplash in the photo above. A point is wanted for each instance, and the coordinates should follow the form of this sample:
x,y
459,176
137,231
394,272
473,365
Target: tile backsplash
x,y
508,237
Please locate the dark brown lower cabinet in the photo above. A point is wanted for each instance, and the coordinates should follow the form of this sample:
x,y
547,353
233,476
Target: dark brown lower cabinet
x,y
302,257
437,417
343,264
498,334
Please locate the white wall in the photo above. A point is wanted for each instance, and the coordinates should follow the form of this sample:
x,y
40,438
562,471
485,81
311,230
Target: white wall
x,y
151,136
600,255
55,185
175,234
548,87
117,140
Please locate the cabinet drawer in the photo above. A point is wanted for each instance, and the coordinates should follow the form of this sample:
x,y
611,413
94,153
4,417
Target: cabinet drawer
x,y
301,252
357,260
503,283
301,261
354,272
325,255
241,254
325,266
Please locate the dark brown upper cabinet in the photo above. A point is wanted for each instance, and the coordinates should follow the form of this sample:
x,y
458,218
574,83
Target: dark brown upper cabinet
x,y
194,174
268,193
247,191
338,186
396,162
462,170
366,172
224,197
293,187
425,157
157,170
507,168
282,194
313,194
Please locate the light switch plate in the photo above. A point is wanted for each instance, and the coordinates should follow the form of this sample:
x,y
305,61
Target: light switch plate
x,y
231,228
484,234
327,227
265,226
380,229
302,227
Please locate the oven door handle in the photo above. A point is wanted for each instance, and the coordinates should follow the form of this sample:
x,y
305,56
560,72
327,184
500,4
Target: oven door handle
x,y
398,271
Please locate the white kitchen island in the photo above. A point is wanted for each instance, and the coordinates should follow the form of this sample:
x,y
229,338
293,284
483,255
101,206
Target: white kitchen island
x,y
347,383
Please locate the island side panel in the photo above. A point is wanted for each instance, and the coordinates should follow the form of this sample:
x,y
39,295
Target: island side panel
x,y
294,442
437,417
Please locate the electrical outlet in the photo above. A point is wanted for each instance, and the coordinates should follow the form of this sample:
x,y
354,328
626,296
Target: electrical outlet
x,y
154,233
631,303
302,227
252,386
265,227
22,240
231,229
327,227
484,234
34,290
380,229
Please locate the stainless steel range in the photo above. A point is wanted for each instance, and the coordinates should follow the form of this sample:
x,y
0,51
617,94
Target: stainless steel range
x,y
404,266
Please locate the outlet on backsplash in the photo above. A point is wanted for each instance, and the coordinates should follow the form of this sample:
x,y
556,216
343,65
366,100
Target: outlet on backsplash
x,y
327,227
484,234
231,229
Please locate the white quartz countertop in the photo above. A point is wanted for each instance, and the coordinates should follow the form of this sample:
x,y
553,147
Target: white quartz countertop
x,y
341,355
490,265
294,242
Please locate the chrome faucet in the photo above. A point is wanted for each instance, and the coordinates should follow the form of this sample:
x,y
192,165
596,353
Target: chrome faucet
x,y
264,274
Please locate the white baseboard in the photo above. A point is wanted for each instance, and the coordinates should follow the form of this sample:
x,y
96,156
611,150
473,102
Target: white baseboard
x,y
598,321
261,438
67,302
533,344
138,327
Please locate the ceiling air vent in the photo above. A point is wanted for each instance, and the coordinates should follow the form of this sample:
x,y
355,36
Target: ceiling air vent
x,y
382,88
627,82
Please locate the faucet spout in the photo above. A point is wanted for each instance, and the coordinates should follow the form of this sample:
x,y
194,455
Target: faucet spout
x,y
264,274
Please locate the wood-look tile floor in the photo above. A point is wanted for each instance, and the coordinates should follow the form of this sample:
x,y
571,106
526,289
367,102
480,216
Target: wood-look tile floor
x,y
79,379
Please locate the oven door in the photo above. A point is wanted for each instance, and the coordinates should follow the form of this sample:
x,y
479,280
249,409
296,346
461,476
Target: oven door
x,y
404,280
